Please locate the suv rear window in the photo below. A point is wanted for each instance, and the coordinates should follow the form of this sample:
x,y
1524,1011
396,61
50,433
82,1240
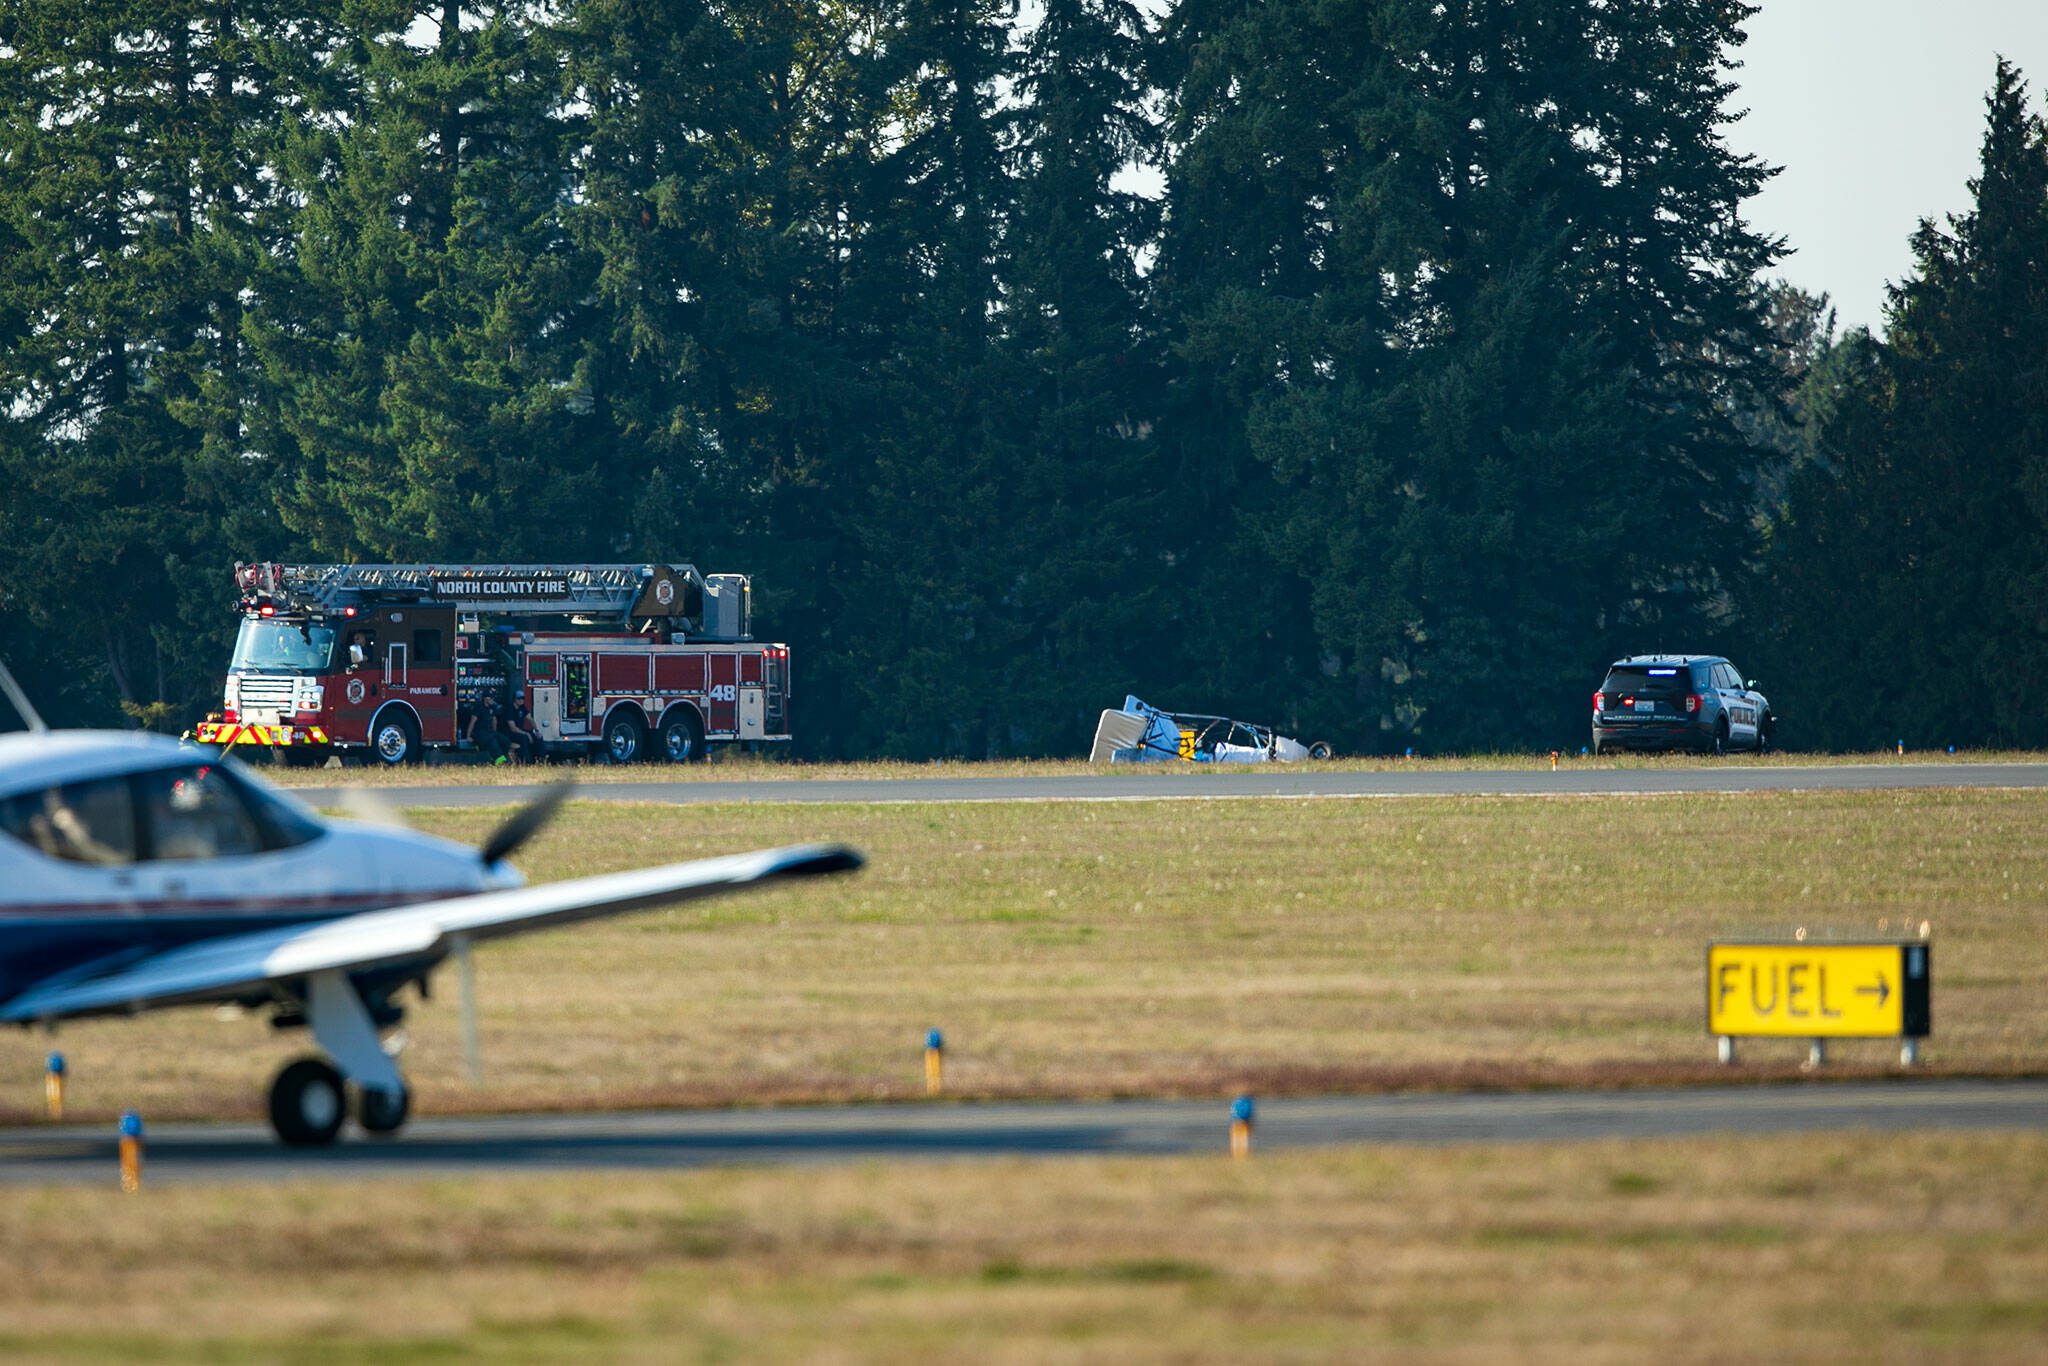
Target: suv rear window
x,y
1648,680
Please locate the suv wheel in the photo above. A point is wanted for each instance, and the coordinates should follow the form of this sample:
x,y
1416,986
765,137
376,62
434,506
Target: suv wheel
x,y
1721,737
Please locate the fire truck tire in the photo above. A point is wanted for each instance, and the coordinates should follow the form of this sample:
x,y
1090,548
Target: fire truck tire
x,y
394,740
625,739
304,756
682,737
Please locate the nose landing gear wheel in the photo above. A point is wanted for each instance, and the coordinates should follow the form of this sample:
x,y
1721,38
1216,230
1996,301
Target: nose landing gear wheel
x,y
307,1103
383,1112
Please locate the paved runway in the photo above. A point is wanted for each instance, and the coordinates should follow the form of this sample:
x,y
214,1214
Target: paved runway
x,y
678,1139
1202,782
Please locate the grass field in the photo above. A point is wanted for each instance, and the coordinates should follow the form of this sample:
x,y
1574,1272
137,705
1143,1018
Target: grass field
x,y
1917,1247
774,766
1184,948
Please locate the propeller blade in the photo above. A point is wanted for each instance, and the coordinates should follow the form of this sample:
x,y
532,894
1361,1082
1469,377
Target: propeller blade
x,y
525,823
29,716
371,807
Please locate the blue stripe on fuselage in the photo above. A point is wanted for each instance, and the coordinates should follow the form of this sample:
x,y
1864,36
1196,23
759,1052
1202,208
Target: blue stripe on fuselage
x,y
41,942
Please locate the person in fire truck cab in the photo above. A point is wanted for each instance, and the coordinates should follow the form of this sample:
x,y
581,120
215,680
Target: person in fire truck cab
x,y
358,649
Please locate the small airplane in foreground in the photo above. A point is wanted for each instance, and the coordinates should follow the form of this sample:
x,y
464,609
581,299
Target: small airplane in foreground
x,y
138,873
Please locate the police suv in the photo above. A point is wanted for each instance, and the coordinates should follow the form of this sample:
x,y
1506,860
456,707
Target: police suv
x,y
1696,702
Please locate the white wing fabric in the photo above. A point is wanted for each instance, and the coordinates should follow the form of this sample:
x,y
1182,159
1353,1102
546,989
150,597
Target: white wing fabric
x,y
233,965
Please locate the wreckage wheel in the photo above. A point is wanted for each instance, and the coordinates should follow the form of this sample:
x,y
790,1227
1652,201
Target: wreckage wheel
x,y
307,1103
1321,750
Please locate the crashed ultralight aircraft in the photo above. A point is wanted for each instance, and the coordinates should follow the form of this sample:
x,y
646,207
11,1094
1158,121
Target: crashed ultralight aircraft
x,y
1138,733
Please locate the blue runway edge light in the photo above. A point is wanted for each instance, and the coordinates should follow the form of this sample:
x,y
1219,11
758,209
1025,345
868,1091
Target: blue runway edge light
x,y
55,1064
1242,1109
131,1124
934,1039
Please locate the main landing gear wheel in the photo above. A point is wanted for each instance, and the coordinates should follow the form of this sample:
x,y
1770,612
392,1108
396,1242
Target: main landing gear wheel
x,y
681,739
624,737
383,1112
307,1103
1320,750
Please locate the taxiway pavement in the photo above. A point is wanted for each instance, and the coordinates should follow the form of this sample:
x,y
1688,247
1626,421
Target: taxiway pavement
x,y
661,1140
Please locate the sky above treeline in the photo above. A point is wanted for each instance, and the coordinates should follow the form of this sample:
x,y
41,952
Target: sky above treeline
x,y
1875,110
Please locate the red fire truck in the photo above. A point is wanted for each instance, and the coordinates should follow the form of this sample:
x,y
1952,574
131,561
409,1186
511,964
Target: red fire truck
x,y
627,661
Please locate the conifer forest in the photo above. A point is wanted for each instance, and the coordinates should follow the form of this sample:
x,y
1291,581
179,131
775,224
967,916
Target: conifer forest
x,y
1380,369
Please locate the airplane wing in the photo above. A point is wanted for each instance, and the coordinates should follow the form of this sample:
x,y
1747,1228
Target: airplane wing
x,y
232,965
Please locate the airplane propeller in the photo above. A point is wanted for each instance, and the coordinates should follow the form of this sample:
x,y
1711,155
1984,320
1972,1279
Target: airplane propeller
x,y
29,715
526,822
520,827
373,807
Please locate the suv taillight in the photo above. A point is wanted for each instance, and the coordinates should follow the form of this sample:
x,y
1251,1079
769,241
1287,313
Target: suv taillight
x,y
1597,697
1692,703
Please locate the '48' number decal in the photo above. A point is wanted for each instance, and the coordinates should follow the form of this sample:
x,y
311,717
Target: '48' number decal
x,y
725,692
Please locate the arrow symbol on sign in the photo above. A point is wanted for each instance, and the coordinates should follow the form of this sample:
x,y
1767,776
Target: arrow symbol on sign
x,y
1882,991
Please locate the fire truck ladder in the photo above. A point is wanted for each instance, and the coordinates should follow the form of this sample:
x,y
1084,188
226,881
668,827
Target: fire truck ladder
x,y
592,590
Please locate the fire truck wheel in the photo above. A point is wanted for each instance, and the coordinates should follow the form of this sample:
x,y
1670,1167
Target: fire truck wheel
x,y
394,741
625,739
681,738
304,756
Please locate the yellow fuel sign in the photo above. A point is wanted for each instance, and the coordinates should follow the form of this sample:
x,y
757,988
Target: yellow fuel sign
x,y
1813,991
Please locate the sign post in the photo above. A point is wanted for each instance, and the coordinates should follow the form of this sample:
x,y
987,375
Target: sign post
x,y
1820,992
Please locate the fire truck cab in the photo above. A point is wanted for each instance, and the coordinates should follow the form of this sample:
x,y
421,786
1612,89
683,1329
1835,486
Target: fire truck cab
x,y
627,662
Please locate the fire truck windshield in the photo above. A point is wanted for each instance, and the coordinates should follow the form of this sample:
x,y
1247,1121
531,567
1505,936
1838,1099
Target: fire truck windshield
x,y
282,645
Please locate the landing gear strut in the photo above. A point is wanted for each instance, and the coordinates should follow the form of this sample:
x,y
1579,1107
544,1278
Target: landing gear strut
x,y
309,1099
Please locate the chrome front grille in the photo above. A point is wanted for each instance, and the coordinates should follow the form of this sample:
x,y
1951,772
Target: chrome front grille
x,y
270,695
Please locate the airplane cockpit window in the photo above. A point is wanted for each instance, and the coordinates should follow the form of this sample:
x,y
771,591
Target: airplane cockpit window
x,y
196,812
88,822
283,824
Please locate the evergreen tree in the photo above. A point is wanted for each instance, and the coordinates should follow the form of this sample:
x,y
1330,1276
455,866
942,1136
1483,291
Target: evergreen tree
x,y
1907,576
1492,332
936,539
1082,618
142,211
427,352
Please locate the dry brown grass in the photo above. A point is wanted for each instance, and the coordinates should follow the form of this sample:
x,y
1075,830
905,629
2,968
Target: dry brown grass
x,y
1178,948
1810,1248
